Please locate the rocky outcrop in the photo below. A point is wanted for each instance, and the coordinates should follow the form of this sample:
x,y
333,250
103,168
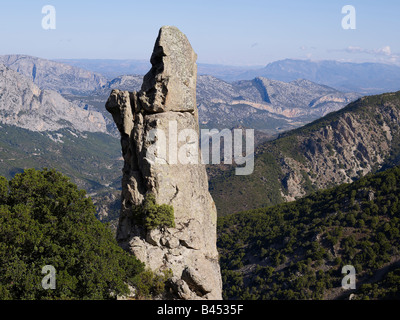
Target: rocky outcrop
x,y
167,100
342,151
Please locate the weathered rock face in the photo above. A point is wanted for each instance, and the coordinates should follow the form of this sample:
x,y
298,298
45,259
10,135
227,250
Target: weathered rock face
x,y
167,100
24,104
52,75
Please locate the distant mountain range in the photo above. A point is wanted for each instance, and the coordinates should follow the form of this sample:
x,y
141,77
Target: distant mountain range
x,y
48,96
263,104
362,138
364,78
112,68
60,77
260,103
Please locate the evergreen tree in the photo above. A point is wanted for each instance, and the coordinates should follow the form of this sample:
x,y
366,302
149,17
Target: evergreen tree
x,y
46,220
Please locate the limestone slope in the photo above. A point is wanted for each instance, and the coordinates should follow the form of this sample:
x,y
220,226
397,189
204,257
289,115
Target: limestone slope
x,y
53,75
24,104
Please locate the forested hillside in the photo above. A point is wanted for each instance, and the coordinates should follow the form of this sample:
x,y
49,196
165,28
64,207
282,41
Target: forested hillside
x,y
296,250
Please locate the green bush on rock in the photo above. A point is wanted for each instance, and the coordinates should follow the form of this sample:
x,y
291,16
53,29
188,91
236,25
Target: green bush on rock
x,y
152,215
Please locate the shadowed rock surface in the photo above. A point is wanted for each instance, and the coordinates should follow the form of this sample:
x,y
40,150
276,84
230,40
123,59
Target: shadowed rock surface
x,y
167,100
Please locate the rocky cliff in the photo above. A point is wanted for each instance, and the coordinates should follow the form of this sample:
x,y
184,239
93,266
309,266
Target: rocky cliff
x,y
339,148
24,104
187,244
53,75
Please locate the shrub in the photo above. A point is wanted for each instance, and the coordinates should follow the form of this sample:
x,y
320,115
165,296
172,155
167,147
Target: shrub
x,y
152,215
149,284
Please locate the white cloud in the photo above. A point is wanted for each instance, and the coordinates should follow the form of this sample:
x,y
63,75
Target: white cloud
x,y
385,50
381,51
383,54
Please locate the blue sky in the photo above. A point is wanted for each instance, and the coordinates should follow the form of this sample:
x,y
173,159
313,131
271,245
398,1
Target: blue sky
x,y
245,32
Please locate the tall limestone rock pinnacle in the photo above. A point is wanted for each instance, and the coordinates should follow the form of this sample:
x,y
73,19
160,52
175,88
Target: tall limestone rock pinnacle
x,y
166,104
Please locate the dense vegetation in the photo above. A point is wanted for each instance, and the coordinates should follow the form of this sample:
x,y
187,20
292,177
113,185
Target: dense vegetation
x,y
46,220
89,159
297,250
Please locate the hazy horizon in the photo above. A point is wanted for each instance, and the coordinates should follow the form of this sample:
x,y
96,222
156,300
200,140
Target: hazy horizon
x,y
250,66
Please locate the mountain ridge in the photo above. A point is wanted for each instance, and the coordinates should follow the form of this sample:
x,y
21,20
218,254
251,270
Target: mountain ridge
x,y
341,147
221,104
366,77
227,105
52,75
24,104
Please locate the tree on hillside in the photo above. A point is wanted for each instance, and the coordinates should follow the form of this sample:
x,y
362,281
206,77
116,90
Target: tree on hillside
x,y
45,220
